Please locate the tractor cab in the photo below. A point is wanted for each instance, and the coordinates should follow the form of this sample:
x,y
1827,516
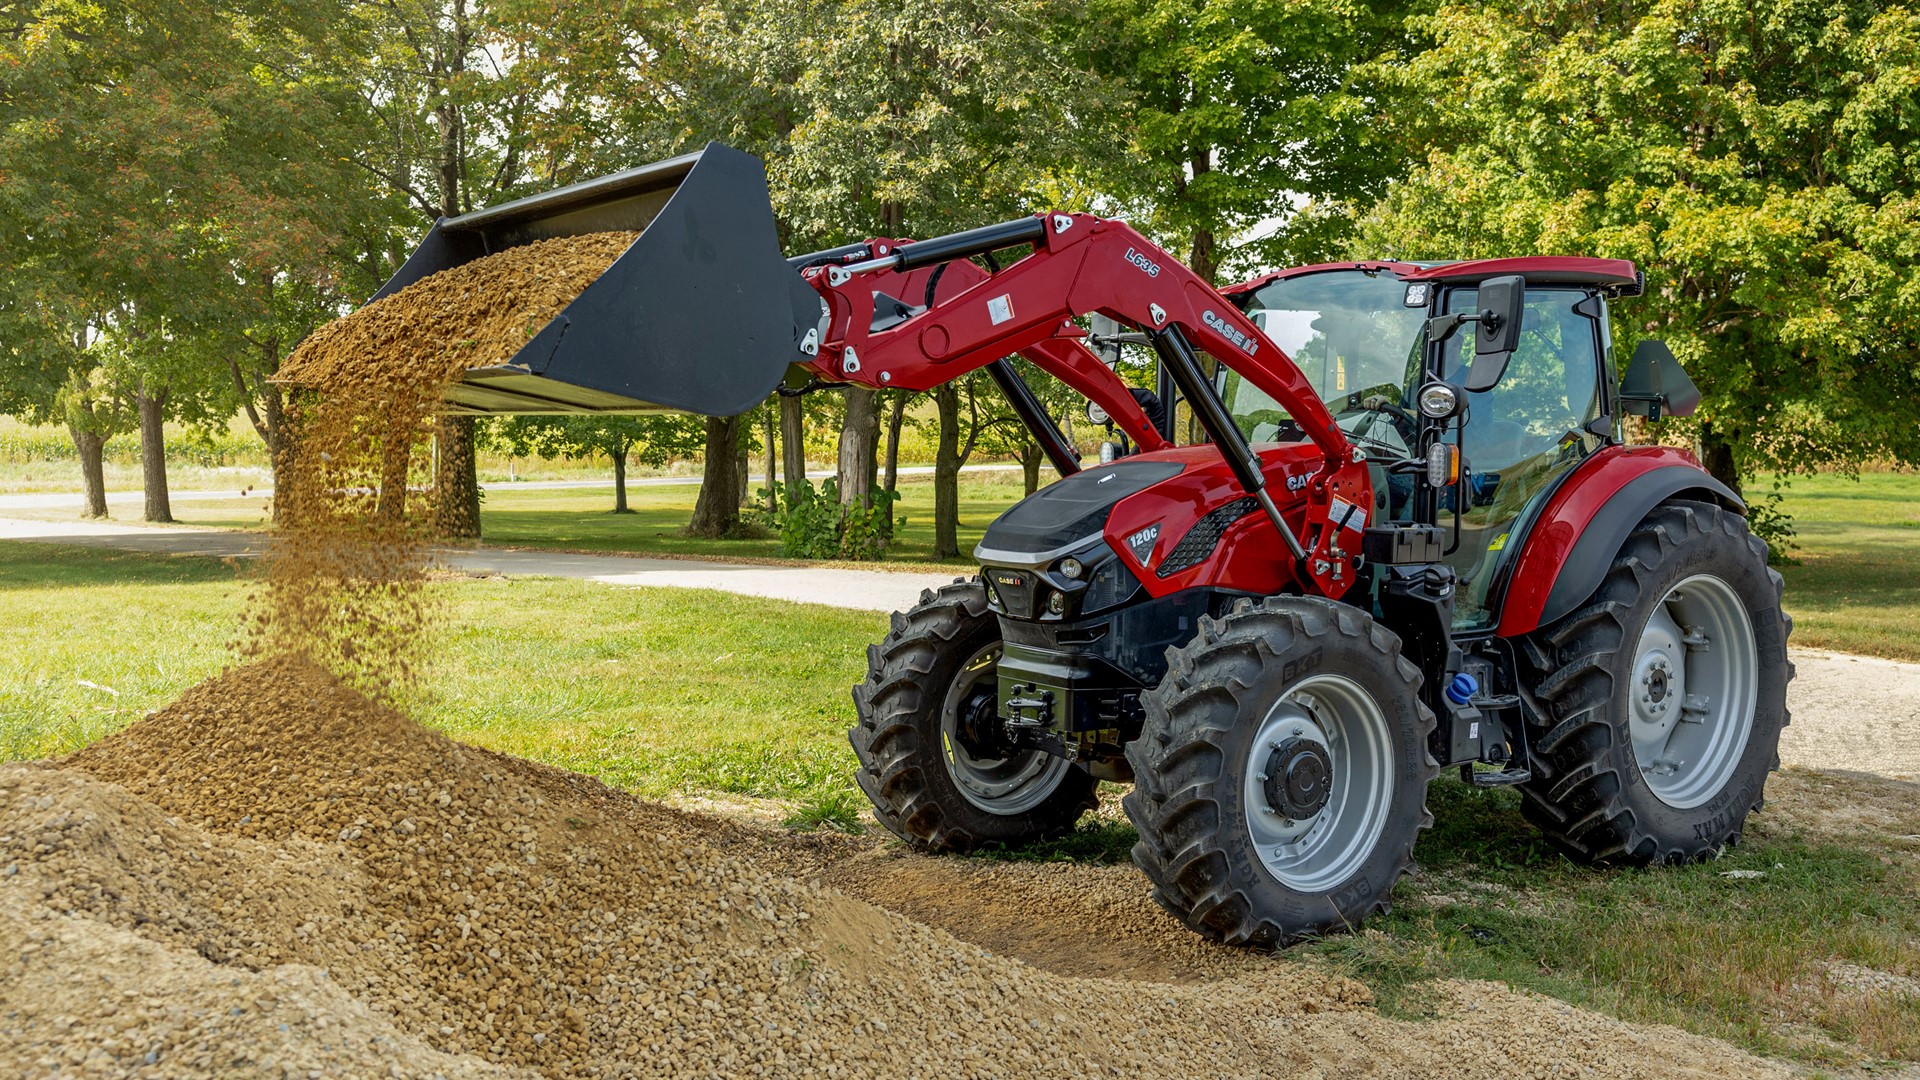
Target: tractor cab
x,y
1372,336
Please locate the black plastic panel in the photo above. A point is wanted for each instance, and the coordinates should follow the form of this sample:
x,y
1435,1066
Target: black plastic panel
x,y
1194,548
1072,508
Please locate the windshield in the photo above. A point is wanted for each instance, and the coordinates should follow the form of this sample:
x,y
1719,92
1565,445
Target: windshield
x,y
1354,337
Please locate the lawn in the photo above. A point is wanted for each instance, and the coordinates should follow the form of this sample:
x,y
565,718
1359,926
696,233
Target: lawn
x,y
689,692
1854,588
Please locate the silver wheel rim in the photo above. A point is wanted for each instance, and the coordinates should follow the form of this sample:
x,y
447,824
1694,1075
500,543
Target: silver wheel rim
x,y
1003,786
1695,684
1316,854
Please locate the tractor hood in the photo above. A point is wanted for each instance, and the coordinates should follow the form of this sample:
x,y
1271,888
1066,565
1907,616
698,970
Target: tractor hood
x,y
1172,518
1068,514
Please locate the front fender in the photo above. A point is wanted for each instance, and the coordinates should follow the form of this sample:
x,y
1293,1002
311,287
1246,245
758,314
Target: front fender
x,y
1586,521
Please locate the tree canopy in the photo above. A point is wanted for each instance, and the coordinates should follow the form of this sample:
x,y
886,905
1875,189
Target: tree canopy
x,y
1756,160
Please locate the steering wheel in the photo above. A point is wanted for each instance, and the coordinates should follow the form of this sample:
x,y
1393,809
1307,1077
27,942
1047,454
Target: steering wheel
x,y
1382,400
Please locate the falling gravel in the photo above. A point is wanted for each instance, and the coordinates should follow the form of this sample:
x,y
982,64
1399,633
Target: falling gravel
x,y
354,514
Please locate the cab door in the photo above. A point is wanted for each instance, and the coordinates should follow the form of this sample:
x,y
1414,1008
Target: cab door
x,y
1521,437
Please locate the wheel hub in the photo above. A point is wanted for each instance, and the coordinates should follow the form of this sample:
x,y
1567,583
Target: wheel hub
x,y
979,728
1297,776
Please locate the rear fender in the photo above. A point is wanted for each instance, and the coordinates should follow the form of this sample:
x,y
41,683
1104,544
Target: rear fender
x,y
1566,554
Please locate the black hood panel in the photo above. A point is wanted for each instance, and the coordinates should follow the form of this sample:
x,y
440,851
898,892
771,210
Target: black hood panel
x,y
1073,508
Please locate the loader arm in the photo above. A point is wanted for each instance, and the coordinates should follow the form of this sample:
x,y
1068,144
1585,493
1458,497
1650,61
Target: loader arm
x,y
1062,355
1082,264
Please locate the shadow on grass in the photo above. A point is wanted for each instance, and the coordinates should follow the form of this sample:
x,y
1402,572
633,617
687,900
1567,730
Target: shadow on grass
x,y
37,565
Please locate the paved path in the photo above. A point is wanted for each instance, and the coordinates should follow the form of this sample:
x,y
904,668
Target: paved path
x,y
1849,712
67,500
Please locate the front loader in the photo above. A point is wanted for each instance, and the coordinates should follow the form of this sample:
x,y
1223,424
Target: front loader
x,y
1412,539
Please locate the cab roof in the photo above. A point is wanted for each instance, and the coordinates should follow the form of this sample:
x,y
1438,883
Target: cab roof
x,y
1618,274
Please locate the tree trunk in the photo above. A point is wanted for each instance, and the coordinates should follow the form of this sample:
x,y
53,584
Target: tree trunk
x,y
153,452
946,474
620,482
793,440
772,456
857,438
390,505
456,487
895,416
1716,456
742,472
1030,459
716,513
91,446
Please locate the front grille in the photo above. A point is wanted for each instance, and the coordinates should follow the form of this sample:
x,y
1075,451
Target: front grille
x,y
1013,588
1193,548
1110,585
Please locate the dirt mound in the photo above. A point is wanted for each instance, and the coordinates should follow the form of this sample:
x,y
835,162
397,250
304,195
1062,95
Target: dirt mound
x,y
282,850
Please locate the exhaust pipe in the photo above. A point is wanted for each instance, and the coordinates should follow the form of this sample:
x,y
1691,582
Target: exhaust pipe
x,y
702,314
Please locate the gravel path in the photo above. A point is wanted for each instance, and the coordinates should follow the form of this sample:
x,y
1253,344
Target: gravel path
x,y
1850,712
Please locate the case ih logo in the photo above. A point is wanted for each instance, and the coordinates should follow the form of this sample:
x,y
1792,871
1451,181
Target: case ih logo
x,y
1152,268
1220,326
1010,580
1141,543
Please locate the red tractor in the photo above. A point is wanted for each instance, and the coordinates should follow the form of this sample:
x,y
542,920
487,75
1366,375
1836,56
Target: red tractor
x,y
1411,539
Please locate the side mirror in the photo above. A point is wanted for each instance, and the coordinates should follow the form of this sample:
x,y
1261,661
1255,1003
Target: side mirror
x,y
1502,307
1656,385
1106,329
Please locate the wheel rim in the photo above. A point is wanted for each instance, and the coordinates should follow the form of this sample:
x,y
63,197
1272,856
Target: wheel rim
x,y
1317,853
1008,785
1695,684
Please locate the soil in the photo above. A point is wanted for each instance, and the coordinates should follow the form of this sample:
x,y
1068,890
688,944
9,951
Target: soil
x,y
279,874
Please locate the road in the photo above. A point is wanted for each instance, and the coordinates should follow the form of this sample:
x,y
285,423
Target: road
x,y
1850,712
67,500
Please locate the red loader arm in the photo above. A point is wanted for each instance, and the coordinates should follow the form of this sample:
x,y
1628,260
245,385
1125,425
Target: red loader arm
x,y
1080,264
1061,355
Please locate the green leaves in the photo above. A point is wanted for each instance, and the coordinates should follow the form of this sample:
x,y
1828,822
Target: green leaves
x,y
1757,160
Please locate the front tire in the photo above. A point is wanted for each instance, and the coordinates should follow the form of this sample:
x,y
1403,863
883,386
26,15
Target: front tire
x,y
1239,842
1666,694
924,736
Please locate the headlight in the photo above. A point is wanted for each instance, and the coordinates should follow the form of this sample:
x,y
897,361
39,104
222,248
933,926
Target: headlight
x,y
1057,603
1071,569
1439,400
1096,414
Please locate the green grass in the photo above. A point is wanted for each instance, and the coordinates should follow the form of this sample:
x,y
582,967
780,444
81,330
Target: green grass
x,y
681,691
1857,585
1855,588
1736,958
579,519
656,690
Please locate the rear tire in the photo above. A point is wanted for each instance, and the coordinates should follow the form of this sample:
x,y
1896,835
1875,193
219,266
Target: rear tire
x,y
1665,694
1231,856
927,786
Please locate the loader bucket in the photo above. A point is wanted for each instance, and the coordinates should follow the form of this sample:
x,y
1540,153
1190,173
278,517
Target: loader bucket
x,y
702,314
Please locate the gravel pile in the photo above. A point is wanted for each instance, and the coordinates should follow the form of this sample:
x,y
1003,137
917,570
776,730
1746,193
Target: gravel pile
x,y
277,875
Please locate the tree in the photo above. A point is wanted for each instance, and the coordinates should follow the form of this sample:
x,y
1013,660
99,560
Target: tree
x,y
1240,113
648,440
148,157
1755,160
909,118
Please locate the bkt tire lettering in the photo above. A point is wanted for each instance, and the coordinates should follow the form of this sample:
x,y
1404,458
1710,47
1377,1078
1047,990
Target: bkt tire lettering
x,y
1152,268
1226,330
